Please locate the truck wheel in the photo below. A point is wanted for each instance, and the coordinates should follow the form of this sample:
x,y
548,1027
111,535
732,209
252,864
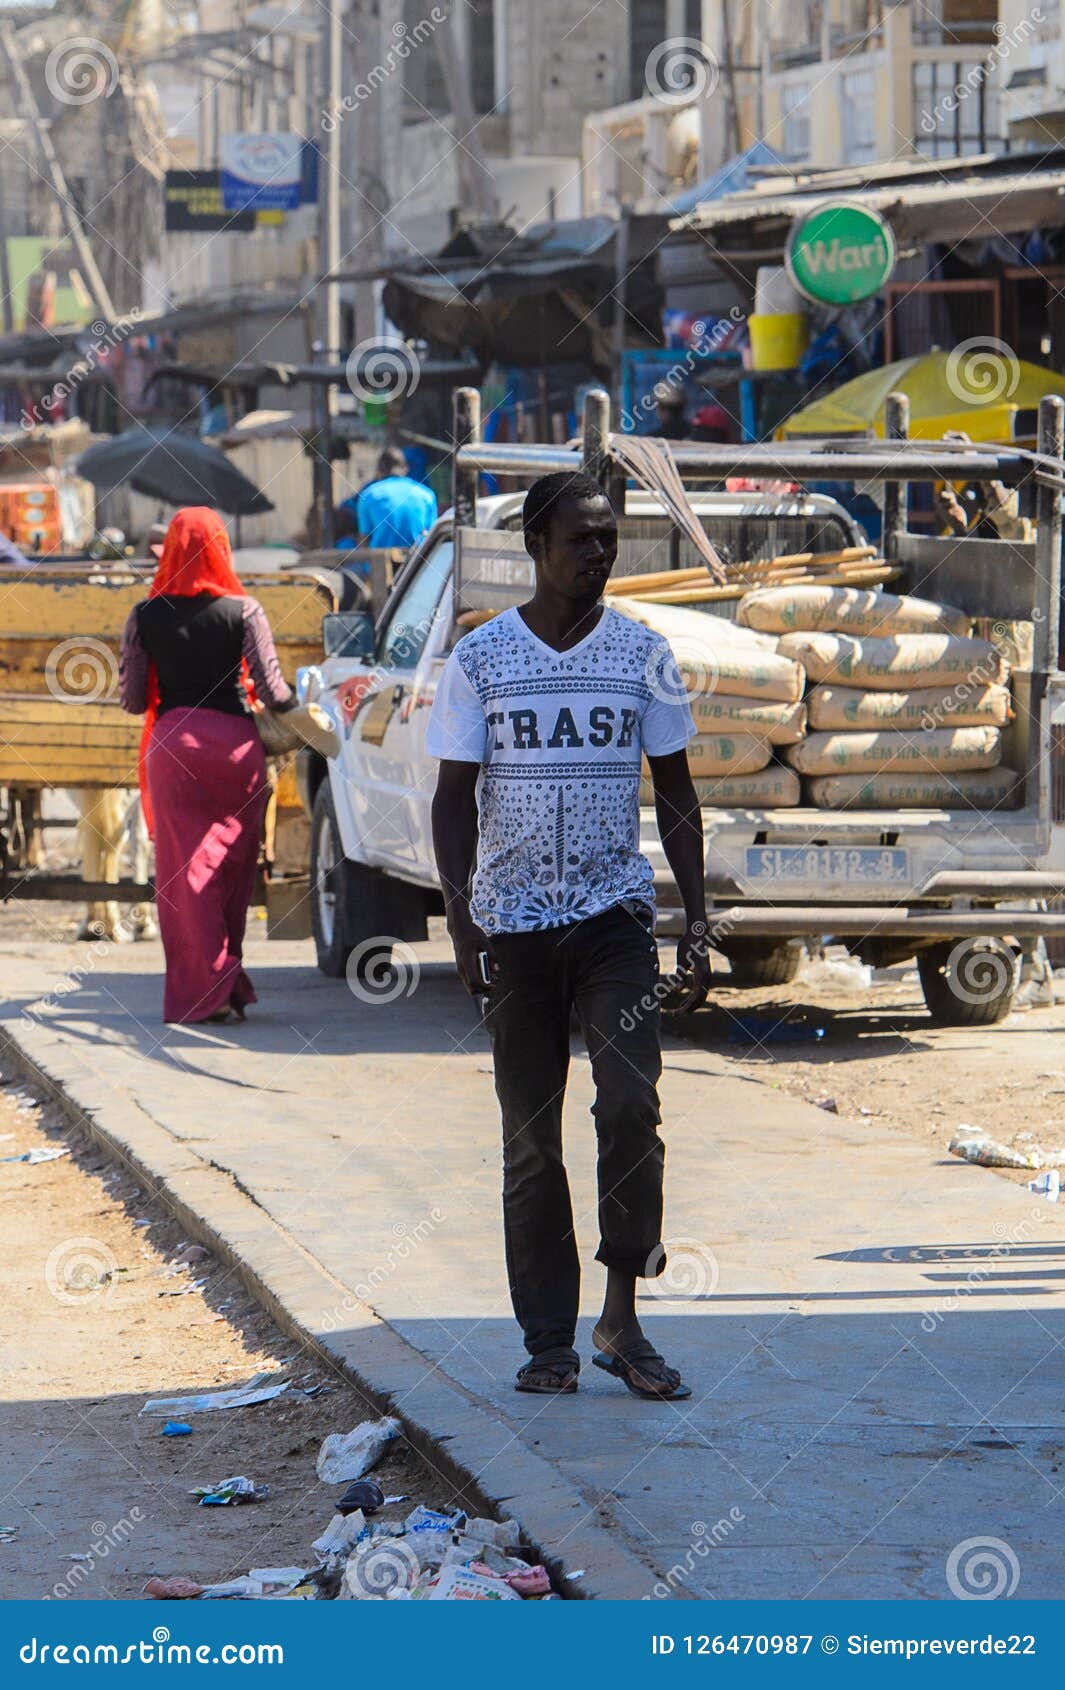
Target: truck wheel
x,y
345,899
762,962
969,983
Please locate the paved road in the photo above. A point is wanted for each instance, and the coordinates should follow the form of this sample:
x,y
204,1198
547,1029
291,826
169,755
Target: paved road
x,y
874,1332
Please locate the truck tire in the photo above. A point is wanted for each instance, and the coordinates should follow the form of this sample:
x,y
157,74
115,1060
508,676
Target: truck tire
x,y
968,983
762,962
346,902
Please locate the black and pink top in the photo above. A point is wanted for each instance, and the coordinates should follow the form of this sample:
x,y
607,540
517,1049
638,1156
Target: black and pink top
x,y
197,645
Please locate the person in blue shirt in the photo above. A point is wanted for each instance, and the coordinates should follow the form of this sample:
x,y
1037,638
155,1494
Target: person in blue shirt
x,y
393,509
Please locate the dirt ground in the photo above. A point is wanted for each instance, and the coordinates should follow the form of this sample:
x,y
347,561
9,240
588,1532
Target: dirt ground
x,y
882,1060
96,1316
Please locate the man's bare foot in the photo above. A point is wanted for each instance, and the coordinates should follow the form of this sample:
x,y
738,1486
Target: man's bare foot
x,y
626,1354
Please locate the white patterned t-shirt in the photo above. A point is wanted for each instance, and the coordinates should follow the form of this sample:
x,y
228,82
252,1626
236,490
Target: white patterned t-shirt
x,y
559,736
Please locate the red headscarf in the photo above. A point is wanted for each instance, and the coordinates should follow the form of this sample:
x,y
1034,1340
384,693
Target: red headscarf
x,y
196,559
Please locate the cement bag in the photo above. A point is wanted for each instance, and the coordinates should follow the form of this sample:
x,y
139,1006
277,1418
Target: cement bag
x,y
963,706
898,661
935,751
727,754
987,789
778,723
716,656
848,610
767,789
724,754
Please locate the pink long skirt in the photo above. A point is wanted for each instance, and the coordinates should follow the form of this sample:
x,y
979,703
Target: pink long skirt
x,y
207,785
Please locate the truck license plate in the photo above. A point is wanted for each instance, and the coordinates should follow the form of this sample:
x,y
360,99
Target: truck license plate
x,y
824,865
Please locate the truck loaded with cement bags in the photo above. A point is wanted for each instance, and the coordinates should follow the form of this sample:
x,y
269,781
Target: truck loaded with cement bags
x,y
880,750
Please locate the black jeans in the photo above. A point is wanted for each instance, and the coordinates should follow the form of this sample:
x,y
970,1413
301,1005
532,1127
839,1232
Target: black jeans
x,y
606,966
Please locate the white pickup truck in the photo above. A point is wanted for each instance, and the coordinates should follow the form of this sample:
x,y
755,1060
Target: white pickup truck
x,y
890,884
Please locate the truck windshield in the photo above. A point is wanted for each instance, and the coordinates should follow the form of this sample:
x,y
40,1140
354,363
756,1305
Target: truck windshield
x,y
407,629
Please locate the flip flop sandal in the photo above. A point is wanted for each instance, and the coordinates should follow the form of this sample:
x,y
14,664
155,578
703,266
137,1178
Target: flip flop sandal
x,y
562,1367
639,1359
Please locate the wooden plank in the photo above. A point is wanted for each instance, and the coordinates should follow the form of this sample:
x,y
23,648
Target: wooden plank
x,y
45,709
74,735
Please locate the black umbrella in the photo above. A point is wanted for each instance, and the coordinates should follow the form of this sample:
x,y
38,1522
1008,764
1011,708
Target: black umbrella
x,y
175,467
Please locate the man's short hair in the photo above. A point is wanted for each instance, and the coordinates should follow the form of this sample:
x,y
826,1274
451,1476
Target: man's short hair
x,y
392,462
546,495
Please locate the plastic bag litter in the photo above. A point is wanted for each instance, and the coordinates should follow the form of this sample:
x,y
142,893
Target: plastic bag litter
x,y
532,1581
263,1388
987,1152
348,1455
229,1492
502,1533
341,1534
39,1153
422,1519
462,1584
841,973
174,1589
1047,1184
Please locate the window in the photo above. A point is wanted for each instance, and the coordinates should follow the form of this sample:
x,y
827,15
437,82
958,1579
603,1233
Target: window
x,y
795,121
407,629
955,108
858,115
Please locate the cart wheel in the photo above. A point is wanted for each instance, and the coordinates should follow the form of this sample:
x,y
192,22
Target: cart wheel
x,y
762,962
969,983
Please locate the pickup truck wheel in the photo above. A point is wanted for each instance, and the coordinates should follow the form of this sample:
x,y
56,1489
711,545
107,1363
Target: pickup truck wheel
x,y
762,962
344,899
969,983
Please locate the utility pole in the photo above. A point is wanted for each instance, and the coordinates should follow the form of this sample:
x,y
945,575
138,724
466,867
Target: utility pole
x,y
327,342
476,182
6,304
31,112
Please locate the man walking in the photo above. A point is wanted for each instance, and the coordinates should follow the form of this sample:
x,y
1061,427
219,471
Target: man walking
x,y
540,721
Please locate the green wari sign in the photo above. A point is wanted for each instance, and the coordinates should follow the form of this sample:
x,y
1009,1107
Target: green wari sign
x,y
840,253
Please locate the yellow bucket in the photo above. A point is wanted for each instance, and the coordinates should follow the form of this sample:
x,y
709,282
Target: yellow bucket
x,y
778,341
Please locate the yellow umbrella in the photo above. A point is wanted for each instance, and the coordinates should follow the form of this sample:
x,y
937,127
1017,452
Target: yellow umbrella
x,y
980,388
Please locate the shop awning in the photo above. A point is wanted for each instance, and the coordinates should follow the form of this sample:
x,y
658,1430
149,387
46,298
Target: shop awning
x,y
941,201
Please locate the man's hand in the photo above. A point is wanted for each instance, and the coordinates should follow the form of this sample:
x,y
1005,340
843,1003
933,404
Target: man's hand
x,y
693,968
470,942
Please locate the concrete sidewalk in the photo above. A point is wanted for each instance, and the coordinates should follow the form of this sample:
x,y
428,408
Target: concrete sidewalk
x,y
873,1334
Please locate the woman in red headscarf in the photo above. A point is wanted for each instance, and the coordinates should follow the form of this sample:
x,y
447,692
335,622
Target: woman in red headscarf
x,y
196,654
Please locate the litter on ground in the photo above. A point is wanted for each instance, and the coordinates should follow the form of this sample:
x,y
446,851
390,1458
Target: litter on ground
x,y
263,1388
